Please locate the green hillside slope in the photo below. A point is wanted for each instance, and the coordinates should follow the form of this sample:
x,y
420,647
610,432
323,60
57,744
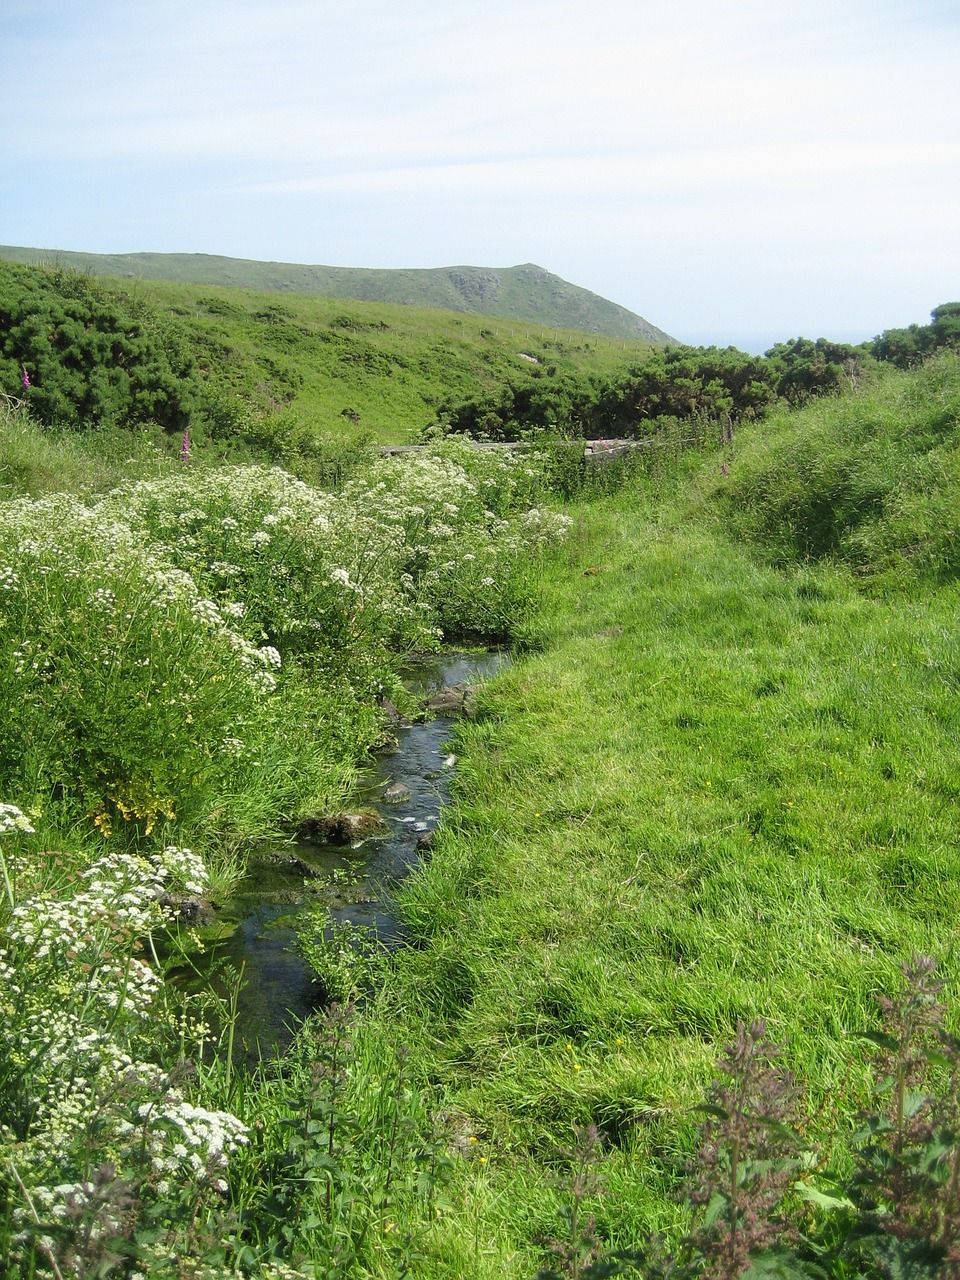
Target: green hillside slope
x,y
526,292
284,372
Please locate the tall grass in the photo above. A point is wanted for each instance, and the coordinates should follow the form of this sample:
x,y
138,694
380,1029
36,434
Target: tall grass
x,y
721,789
869,479
36,460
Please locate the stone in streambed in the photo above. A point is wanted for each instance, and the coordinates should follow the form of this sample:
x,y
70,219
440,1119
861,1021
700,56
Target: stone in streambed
x,y
396,793
447,701
189,910
340,828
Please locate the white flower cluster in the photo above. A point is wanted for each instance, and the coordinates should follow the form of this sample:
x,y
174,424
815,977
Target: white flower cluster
x,y
92,933
72,1002
208,613
186,1139
12,819
267,555
181,868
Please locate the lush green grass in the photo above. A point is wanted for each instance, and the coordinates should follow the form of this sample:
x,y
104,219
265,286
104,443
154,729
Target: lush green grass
x,y
722,789
34,460
870,480
718,782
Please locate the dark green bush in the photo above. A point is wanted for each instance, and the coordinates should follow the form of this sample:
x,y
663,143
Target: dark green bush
x,y
81,355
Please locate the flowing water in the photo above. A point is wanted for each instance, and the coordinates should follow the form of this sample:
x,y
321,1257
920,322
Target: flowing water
x,y
352,881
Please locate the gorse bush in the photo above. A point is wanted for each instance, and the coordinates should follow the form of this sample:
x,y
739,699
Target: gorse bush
x,y
679,384
909,347
81,355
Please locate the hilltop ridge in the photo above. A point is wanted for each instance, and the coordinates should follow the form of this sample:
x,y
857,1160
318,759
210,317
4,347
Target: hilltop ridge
x,y
524,292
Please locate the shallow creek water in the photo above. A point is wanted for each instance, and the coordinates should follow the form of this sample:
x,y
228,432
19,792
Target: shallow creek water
x,y
353,881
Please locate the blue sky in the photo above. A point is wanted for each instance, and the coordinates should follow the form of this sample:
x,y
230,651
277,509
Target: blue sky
x,y
736,171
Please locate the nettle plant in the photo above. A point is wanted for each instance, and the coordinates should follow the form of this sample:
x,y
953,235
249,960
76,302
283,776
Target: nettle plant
x,y
100,1146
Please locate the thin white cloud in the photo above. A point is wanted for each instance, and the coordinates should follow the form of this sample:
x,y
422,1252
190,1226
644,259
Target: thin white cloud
x,y
267,82
807,167
572,132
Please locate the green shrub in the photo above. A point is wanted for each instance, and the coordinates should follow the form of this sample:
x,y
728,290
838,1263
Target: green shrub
x,y
81,355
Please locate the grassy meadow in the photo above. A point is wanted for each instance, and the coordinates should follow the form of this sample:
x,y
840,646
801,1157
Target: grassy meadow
x,y
718,784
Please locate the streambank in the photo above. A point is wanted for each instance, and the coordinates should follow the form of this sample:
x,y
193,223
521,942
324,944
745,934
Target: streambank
x,y
403,793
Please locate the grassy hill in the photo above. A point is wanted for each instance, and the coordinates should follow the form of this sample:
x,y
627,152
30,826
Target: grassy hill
x,y
526,293
282,372
382,366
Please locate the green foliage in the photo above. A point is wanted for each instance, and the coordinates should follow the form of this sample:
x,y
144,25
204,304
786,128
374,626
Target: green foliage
x,y
906,348
346,1173
125,699
207,648
302,382
703,388
544,401
343,957
87,355
803,368
36,459
897,1214
685,383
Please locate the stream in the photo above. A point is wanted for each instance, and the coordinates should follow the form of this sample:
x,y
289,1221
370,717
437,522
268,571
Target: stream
x,y
353,880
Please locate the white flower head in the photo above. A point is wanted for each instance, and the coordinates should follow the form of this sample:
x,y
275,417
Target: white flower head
x,y
13,819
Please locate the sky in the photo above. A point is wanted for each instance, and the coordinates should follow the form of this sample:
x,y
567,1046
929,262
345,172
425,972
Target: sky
x,y
735,171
